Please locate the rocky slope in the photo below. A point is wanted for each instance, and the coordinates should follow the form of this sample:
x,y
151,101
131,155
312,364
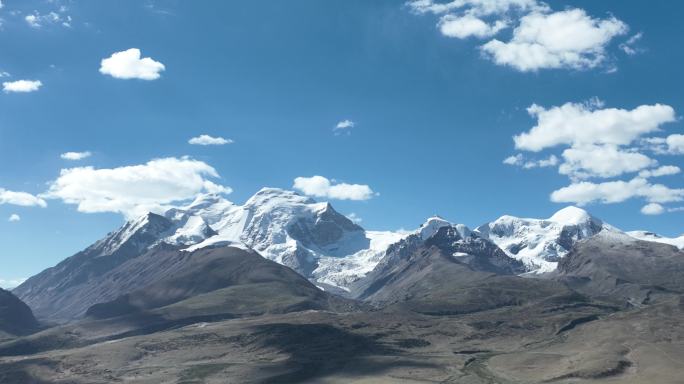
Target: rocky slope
x,y
283,226
217,282
16,317
50,292
620,268
443,267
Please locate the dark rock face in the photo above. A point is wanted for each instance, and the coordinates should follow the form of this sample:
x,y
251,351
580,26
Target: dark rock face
x,y
618,267
64,292
478,253
60,293
327,228
450,274
16,317
571,234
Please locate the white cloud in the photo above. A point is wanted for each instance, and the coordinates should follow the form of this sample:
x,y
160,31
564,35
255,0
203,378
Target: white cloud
x,y
665,170
628,46
320,186
128,64
610,192
23,199
355,218
541,38
565,39
602,161
32,21
209,140
603,143
38,20
675,144
136,189
4,74
344,127
519,160
14,218
21,86
344,124
586,124
11,283
468,25
551,161
475,7
652,209
75,155
670,145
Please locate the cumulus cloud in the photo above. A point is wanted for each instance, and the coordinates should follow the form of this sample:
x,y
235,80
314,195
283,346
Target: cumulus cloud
x,y
468,25
514,159
136,189
628,46
344,127
588,123
129,64
355,218
675,144
610,192
38,20
602,161
665,170
320,186
541,38
652,209
670,145
519,160
603,143
14,218
75,155
21,86
475,7
23,199
597,137
565,39
209,140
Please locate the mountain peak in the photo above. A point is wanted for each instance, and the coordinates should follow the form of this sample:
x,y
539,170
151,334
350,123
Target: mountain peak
x,y
571,215
431,226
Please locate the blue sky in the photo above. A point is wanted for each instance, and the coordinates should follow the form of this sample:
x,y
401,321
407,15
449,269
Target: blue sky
x,y
434,113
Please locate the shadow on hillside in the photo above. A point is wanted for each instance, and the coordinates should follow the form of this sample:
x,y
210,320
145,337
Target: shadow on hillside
x,y
319,350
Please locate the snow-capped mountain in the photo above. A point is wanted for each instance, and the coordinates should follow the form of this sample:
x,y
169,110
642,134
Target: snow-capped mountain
x,y
540,243
307,236
656,238
456,241
293,230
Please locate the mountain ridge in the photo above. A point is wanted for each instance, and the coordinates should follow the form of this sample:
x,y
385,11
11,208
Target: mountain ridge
x,y
293,230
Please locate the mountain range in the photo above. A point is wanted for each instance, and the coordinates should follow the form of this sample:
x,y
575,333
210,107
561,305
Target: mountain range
x,y
299,292
293,230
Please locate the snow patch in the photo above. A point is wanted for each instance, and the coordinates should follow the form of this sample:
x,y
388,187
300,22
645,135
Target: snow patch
x,y
654,237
